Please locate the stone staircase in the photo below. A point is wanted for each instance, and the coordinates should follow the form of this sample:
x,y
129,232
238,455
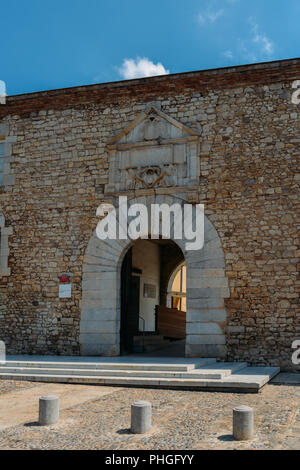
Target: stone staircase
x,y
135,371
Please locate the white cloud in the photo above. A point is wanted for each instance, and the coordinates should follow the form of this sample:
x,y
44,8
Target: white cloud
x,y
210,16
245,52
266,46
228,54
2,88
141,67
256,48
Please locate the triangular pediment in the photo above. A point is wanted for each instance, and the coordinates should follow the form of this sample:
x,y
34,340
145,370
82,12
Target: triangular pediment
x,y
153,151
153,125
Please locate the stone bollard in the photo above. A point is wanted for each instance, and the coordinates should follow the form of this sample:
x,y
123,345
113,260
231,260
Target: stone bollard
x,y
48,410
243,423
141,417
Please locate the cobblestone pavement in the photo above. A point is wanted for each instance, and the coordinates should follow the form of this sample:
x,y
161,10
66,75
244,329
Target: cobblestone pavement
x,y
7,386
181,420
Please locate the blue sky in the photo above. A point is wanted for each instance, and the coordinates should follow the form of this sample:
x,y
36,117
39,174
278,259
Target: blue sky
x,y
48,44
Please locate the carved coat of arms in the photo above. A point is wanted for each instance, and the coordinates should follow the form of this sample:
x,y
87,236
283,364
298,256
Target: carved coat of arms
x,y
151,176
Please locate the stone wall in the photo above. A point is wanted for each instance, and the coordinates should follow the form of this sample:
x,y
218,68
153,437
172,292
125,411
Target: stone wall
x,y
249,184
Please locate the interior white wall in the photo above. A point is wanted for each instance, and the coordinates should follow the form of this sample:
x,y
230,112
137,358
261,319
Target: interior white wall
x,y
146,256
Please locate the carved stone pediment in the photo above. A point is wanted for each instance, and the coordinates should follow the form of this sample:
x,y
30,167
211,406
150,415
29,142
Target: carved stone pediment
x,y
153,151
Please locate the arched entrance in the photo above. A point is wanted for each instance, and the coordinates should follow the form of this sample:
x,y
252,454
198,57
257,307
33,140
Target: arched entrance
x,y
207,286
176,291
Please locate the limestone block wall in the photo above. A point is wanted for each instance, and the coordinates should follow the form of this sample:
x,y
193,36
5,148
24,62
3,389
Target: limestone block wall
x,y
249,184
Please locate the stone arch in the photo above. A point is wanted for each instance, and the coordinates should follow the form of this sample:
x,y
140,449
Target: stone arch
x,y
171,280
207,286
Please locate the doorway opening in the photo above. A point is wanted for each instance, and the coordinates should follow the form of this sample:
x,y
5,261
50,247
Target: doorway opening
x,y
153,299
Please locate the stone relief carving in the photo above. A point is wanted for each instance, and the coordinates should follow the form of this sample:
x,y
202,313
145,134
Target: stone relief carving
x,y
151,177
153,151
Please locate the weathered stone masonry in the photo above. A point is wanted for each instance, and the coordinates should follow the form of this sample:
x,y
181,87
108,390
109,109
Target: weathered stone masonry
x,y
249,183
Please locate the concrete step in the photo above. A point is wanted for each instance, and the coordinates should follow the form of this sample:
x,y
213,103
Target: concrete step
x,y
143,364
220,369
139,371
205,372
248,379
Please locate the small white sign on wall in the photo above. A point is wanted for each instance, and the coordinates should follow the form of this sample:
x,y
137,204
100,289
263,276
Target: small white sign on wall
x,y
65,291
149,291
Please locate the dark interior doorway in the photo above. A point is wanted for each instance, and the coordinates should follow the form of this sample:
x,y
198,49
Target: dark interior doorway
x,y
130,295
149,321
